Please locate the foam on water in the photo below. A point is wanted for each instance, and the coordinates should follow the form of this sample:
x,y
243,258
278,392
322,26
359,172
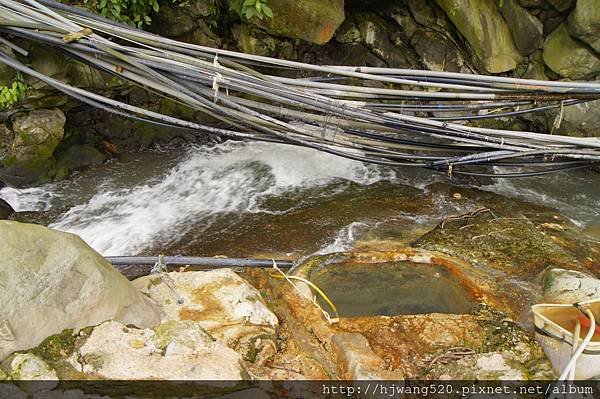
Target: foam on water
x,y
125,207
208,182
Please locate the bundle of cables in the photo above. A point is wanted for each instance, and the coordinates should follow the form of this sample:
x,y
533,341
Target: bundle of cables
x,y
407,120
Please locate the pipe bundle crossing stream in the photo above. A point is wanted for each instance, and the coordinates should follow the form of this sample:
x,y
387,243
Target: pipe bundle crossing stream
x,y
386,116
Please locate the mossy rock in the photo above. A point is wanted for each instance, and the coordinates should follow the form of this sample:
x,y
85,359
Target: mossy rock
x,y
569,57
80,156
314,21
480,22
584,23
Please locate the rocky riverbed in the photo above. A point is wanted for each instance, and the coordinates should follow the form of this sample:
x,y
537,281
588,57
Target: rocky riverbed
x,y
443,298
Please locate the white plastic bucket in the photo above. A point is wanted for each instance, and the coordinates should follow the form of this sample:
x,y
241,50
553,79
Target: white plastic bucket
x,y
554,325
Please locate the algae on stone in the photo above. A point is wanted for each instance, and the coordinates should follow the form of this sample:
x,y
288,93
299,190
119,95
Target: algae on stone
x,y
314,21
569,57
484,28
584,22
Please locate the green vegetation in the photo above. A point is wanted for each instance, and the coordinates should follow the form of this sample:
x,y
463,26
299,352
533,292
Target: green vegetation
x,y
133,12
9,95
252,8
137,12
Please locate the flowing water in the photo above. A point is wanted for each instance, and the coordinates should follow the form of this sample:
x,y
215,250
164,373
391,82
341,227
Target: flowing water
x,y
275,201
252,199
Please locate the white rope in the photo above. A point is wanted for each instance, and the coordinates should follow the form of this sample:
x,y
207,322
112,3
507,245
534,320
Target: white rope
x,y
581,348
160,269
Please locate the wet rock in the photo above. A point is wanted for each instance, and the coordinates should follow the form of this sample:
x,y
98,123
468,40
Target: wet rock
x,y
562,5
6,139
436,51
5,209
347,33
584,23
314,21
531,3
422,12
579,120
536,69
52,281
222,303
48,61
29,158
484,28
11,391
7,74
485,346
254,41
569,57
377,36
519,244
202,35
489,366
526,29
80,156
173,21
569,286
173,352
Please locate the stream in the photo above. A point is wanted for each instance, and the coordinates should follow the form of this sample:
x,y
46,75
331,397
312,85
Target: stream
x,y
258,199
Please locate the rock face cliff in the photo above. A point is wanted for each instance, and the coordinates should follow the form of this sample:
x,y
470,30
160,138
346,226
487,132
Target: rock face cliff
x,y
534,39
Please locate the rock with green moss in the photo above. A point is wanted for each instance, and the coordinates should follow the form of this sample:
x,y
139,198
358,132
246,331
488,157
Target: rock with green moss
x,y
254,41
178,351
584,23
52,281
569,57
314,21
480,22
181,335
80,156
27,366
512,237
561,5
526,29
30,156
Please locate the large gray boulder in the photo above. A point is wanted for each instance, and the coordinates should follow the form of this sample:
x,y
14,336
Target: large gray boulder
x,y
51,281
584,22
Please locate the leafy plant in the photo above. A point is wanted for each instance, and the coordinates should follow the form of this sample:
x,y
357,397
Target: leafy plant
x,y
252,8
132,12
9,95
